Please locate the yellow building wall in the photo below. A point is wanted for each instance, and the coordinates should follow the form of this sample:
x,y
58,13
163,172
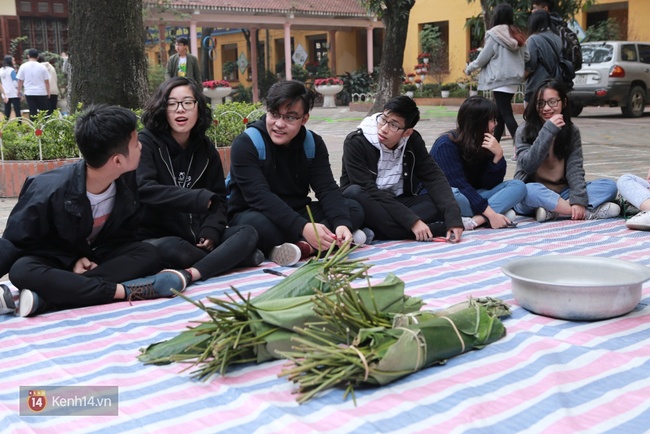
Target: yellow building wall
x,y
8,8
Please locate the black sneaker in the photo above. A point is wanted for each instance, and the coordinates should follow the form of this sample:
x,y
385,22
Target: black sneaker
x,y
255,259
7,303
156,286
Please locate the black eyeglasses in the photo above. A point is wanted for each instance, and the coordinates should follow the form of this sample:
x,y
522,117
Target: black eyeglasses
x,y
551,103
290,119
392,126
188,104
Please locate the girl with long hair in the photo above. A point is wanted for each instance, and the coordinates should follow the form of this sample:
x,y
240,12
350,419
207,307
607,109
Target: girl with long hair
x,y
182,189
472,159
550,162
9,83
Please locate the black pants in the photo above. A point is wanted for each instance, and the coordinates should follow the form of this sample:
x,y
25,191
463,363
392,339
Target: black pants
x,y
236,247
383,224
36,103
15,102
51,102
270,235
64,288
505,117
8,254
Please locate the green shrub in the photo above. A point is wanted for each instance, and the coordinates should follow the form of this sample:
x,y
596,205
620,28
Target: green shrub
x,y
20,139
230,120
155,76
243,94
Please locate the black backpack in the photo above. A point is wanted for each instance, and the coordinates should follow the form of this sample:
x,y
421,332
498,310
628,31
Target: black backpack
x,y
571,50
564,70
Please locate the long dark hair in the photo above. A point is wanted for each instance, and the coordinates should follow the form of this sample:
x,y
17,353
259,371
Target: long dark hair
x,y
538,21
534,122
472,122
504,15
154,115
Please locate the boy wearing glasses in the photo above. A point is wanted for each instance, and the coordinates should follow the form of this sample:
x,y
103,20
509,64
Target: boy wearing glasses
x,y
272,193
384,161
75,226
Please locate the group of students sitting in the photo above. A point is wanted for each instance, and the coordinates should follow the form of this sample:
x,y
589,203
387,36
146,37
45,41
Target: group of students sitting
x,y
103,228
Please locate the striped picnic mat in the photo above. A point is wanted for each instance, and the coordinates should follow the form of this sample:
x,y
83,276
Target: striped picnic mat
x,y
546,375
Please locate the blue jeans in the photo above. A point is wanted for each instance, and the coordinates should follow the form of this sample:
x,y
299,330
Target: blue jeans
x,y
599,191
501,198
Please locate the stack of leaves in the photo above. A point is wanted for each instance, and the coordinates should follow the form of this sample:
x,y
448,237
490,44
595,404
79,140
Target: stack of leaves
x,y
360,345
243,330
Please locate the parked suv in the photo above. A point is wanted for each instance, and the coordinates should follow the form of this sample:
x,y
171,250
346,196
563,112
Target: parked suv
x,y
613,73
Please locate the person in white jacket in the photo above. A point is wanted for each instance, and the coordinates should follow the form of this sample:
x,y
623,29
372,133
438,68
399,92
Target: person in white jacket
x,y
502,61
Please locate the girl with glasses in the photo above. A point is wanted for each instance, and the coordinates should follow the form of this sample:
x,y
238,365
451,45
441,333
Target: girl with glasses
x,y
182,189
473,162
550,162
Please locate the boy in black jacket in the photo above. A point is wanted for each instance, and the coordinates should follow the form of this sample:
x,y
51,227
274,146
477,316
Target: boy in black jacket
x,y
75,226
383,162
271,194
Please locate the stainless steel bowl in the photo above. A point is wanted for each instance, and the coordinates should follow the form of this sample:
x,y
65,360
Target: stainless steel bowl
x,y
577,288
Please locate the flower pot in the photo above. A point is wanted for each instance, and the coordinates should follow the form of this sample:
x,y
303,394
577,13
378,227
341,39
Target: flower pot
x,y
217,94
328,92
444,93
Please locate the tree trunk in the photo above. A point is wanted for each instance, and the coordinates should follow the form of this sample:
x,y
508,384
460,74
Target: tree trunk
x,y
107,52
207,64
395,18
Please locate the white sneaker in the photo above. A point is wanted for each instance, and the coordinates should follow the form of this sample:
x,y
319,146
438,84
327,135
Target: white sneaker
x,y
607,210
359,237
285,255
469,224
510,215
28,303
542,215
640,222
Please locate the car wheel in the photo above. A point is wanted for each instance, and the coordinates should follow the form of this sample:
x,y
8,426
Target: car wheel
x,y
635,103
576,109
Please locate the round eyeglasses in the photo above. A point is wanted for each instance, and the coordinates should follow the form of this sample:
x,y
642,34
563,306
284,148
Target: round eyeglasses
x,y
392,126
552,103
290,119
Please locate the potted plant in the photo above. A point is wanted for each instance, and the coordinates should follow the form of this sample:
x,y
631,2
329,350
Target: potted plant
x,y
409,88
444,90
328,87
216,90
229,69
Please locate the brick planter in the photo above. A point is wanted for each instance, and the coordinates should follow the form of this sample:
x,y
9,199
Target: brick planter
x,y
14,173
224,154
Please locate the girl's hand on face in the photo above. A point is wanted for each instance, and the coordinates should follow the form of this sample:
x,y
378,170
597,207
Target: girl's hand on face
x,y
558,120
492,144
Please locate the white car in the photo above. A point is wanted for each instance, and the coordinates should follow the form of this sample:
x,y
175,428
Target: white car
x,y
613,73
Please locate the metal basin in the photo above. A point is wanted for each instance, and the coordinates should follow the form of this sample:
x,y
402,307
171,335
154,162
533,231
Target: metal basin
x,y
577,288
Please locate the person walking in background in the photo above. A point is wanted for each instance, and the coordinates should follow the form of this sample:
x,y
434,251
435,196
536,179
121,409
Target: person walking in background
x,y
502,62
183,64
384,161
272,193
54,85
472,160
182,187
544,50
36,81
9,82
550,162
636,191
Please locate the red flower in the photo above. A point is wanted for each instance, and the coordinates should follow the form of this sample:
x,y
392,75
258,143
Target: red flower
x,y
327,81
38,132
216,83
216,122
245,121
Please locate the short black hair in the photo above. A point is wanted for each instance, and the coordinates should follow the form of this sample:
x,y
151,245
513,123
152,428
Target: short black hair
x,y
32,53
102,131
182,40
154,115
405,107
544,3
290,92
8,61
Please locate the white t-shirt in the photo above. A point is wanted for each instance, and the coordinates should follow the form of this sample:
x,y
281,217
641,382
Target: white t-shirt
x,y
102,206
33,75
9,81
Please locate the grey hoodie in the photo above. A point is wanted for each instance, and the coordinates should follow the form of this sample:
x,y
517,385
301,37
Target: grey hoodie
x,y
501,60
